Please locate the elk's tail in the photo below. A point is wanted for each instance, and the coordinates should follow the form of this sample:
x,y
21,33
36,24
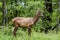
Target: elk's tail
x,y
13,21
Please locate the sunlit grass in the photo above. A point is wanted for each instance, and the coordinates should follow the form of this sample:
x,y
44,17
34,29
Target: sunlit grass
x,y
7,34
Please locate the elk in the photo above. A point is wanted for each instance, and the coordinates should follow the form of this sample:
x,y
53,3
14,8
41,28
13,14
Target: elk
x,y
26,22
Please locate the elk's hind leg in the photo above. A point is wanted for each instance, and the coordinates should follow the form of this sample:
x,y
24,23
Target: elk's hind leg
x,y
14,32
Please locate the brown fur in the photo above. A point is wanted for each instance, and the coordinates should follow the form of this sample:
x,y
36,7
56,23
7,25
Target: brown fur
x,y
26,22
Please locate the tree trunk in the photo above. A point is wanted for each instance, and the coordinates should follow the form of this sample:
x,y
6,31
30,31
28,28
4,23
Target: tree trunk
x,y
3,12
6,18
58,24
59,12
48,4
48,8
16,4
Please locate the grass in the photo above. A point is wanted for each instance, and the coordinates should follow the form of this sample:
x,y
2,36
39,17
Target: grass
x,y
6,34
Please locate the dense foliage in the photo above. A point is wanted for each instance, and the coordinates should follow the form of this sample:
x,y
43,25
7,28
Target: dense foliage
x,y
27,8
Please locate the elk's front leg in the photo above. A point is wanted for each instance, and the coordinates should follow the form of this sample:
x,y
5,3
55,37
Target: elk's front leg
x,y
29,30
14,32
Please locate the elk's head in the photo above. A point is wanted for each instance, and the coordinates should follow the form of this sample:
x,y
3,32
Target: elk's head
x,y
39,13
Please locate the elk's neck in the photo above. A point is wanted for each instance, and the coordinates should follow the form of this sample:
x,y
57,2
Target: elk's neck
x,y
36,18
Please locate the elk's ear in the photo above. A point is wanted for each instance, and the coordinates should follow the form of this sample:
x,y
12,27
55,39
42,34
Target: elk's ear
x,y
37,11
